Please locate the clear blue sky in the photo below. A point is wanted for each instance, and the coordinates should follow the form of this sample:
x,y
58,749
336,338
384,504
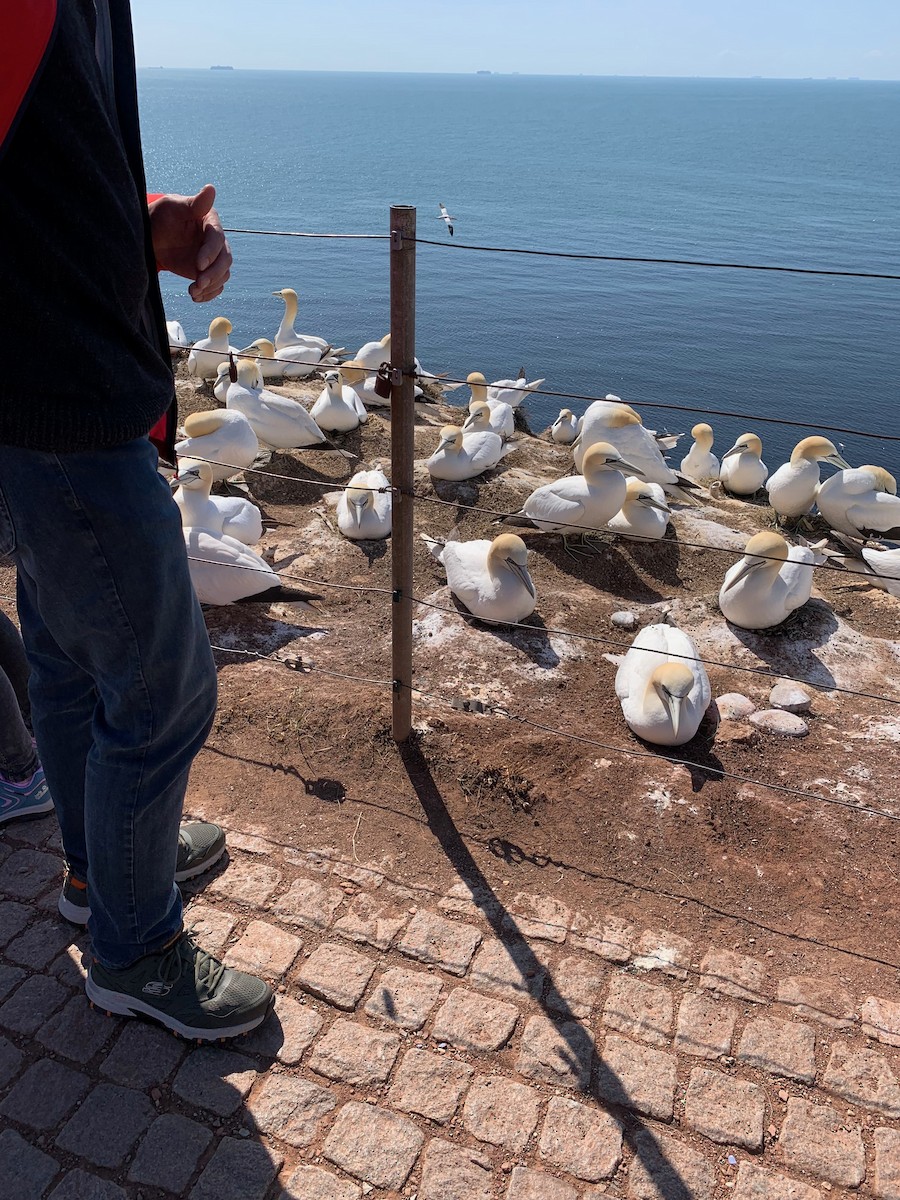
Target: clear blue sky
x,y
784,38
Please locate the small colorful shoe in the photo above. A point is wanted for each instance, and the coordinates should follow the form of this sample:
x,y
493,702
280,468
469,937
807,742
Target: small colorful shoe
x,y
30,798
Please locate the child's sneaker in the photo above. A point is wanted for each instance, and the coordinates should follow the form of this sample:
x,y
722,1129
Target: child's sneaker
x,y
30,798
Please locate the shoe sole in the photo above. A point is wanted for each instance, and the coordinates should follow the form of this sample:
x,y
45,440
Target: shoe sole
x,y
200,867
26,813
120,1005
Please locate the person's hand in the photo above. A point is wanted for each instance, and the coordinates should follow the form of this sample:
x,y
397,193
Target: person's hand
x,y
188,241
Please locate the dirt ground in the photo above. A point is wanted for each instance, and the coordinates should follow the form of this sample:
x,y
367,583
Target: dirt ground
x,y
310,759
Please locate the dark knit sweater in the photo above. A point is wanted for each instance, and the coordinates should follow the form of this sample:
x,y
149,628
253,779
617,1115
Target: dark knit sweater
x,y
80,310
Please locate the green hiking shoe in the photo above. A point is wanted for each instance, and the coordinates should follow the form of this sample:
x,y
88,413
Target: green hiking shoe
x,y
200,846
185,989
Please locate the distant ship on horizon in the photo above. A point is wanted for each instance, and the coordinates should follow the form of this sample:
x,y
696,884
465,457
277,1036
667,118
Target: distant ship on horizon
x,y
221,68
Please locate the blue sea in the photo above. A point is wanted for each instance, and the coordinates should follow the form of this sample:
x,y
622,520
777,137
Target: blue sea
x,y
803,173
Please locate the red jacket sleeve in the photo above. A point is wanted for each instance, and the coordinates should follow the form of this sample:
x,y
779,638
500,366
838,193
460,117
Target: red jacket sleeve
x,y
27,36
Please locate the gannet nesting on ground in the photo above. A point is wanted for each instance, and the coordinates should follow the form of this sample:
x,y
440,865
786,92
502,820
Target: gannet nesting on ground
x,y
512,391
565,428
490,578
336,412
221,436
224,380
879,564
278,422
232,515
356,379
699,463
619,425
363,509
178,339
372,354
768,583
644,513
293,362
464,457
861,500
208,352
578,504
496,417
663,697
792,488
742,471
287,336
224,571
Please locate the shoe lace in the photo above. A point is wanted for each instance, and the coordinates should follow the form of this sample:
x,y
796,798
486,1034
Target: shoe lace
x,y
208,971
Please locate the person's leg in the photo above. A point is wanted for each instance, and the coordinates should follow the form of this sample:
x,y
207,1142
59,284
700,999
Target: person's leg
x,y
18,759
113,630
14,664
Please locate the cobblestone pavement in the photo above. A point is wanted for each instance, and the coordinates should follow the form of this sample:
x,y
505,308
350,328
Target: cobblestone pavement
x,y
437,1046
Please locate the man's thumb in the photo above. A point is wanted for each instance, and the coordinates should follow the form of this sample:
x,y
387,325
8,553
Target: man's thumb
x,y
203,201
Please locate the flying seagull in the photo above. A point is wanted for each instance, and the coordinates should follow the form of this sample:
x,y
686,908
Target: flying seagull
x,y
445,216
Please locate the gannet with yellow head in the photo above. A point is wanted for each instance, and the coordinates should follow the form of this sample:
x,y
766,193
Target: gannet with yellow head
x,y
364,506
644,513
225,438
768,583
742,471
564,429
490,578
619,425
231,515
792,488
700,463
663,687
460,456
860,501
278,421
208,352
500,414
336,412
287,337
372,354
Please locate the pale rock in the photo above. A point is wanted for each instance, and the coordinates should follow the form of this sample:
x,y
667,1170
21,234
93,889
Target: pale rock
x,y
790,698
624,620
734,707
785,724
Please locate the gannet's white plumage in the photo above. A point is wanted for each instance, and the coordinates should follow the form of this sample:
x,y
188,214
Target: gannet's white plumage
x,y
861,500
223,436
178,339
363,511
208,352
578,504
231,515
565,428
223,379
483,415
287,337
513,391
336,412
490,578
879,564
292,362
464,457
644,513
768,583
792,488
372,354
224,571
700,463
619,425
444,216
356,379
663,687
279,422
742,471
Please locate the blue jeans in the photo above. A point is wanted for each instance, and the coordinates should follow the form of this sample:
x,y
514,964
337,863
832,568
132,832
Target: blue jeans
x,y
18,760
123,682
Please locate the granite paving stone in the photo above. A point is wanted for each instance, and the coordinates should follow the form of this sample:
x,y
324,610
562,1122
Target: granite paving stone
x,y
143,1056
373,1144
211,926
365,875
470,900
286,1033
312,1183
239,1170
609,937
756,1183
502,1112
290,1108
664,1168
559,1054
430,1085
780,1047
705,1026
80,1185
309,903
881,1020
541,917
10,978
452,1172
374,922
13,919
264,949
10,1060
39,944
575,985
168,1155
251,883
215,1079
44,1094
405,998
337,975
814,1138
585,1142
33,832
863,1077
726,1110
26,1171
352,1053
71,967
449,945
509,968
528,1184
639,1008
26,1010
887,1164
733,974
78,1032
473,1021
637,1077
818,999
107,1125
662,950
28,873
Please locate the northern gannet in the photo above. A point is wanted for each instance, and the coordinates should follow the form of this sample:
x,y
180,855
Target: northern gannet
x,y
644,513
287,337
860,501
484,415
700,463
224,571
224,380
768,583
663,687
364,508
742,471
372,354
232,515
464,457
618,425
792,488
222,437
336,412
355,378
513,391
294,362
445,216
491,579
178,339
279,423
208,352
878,564
565,428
